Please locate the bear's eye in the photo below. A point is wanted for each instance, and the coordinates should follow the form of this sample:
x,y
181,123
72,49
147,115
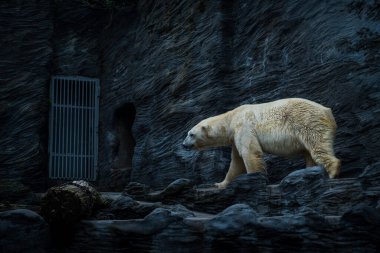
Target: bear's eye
x,y
191,135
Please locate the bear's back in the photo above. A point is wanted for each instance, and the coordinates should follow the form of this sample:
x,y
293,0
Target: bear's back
x,y
278,125
294,111
291,102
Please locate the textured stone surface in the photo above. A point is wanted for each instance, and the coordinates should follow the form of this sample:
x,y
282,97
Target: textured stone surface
x,y
197,59
67,204
76,39
123,207
303,189
238,228
23,230
306,212
174,63
178,62
39,39
202,58
15,192
25,37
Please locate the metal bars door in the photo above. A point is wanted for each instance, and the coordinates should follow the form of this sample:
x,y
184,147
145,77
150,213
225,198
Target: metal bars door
x,y
73,133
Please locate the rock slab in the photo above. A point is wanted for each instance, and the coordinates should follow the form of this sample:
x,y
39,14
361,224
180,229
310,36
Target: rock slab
x,y
23,230
306,188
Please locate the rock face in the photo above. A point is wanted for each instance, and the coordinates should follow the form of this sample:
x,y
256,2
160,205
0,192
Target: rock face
x,y
15,192
201,59
25,53
198,59
165,65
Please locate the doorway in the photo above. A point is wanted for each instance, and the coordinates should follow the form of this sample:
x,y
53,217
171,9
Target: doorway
x,y
123,119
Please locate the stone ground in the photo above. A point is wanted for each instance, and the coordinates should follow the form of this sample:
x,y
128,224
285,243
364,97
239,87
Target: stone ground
x,y
305,212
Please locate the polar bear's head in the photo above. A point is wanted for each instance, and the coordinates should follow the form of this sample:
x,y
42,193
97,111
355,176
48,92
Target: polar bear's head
x,y
203,135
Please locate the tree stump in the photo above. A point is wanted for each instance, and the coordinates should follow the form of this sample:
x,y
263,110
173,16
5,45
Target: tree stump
x,y
67,204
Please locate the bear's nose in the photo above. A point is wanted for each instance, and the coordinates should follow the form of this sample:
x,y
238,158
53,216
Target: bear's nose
x,y
186,146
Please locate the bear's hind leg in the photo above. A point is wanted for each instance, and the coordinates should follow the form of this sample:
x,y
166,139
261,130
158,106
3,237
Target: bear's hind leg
x,y
324,155
333,167
320,145
329,162
236,168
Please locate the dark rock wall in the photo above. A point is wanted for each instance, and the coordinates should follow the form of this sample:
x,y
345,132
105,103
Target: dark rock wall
x,y
39,39
25,38
165,59
77,31
326,51
180,62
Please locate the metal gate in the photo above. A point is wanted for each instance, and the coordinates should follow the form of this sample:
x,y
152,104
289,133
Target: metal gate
x,y
73,133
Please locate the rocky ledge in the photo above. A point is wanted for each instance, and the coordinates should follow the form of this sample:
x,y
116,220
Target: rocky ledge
x,y
303,189
305,212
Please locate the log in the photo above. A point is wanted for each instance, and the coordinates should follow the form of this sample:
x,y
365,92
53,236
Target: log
x,y
69,203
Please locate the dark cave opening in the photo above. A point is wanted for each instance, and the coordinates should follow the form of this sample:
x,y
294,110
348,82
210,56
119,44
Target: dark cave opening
x,y
123,119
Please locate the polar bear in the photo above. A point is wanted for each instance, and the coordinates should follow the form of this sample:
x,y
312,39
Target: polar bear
x,y
286,127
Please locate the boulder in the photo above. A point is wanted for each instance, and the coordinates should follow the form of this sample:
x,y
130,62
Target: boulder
x,y
22,230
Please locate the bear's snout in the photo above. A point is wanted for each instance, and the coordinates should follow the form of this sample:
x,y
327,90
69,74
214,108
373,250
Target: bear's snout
x,y
187,144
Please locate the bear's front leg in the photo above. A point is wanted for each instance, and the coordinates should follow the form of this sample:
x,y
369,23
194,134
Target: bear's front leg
x,y
250,150
254,161
236,168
